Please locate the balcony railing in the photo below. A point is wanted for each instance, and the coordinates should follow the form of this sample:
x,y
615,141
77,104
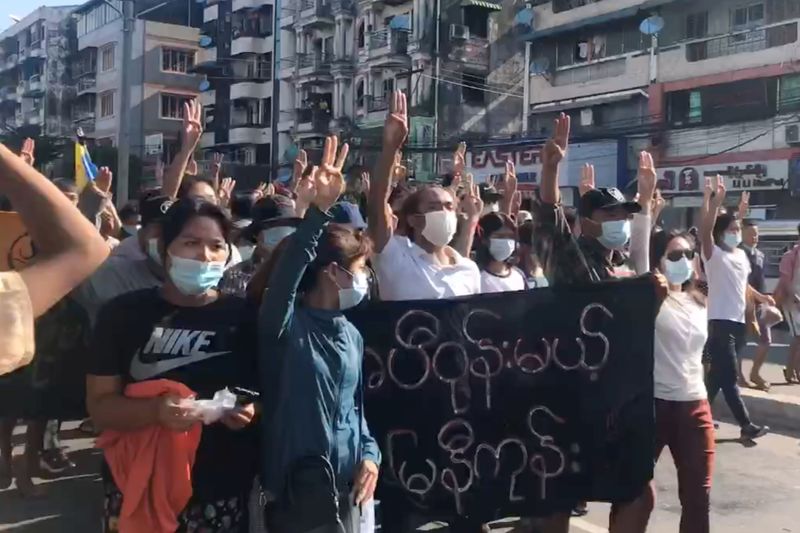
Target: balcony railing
x,y
250,122
741,42
82,115
318,63
316,118
340,7
590,72
261,71
377,103
312,8
396,40
82,68
249,31
87,84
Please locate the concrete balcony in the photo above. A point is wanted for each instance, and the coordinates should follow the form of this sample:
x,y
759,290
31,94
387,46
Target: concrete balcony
x,y
389,48
34,87
207,139
208,98
315,14
35,51
87,85
312,123
83,115
206,61
377,104
250,89
343,66
211,13
9,63
768,45
34,117
312,68
563,15
603,76
343,8
8,94
472,53
287,68
245,44
249,134
238,5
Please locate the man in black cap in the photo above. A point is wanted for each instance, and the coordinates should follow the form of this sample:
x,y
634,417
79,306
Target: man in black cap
x,y
608,224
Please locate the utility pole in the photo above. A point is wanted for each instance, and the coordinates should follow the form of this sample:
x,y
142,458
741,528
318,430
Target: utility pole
x,y
123,135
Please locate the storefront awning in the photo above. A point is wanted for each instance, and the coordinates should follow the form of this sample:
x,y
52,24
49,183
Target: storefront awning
x,y
491,6
586,101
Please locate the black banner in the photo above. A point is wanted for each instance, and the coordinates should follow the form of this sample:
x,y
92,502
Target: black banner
x,y
515,404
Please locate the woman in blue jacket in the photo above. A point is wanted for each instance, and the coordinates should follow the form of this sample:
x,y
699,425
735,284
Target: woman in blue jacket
x,y
317,446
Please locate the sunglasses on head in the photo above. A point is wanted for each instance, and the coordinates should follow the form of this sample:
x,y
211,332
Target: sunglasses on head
x,y
675,255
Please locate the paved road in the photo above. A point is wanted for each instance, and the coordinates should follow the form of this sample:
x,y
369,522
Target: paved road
x,y
756,489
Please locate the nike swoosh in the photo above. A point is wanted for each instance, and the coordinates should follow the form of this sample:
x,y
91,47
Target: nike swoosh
x,y
141,371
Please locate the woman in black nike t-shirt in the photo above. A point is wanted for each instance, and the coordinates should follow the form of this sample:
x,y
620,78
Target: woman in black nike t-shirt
x,y
186,332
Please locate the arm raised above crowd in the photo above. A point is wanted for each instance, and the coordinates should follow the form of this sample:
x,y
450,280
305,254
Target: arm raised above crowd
x,y
553,152
395,131
301,248
68,247
713,196
190,135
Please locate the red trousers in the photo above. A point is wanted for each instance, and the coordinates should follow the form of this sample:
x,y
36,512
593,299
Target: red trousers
x,y
687,428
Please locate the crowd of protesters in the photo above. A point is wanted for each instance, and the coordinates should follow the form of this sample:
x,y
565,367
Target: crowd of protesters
x,y
197,287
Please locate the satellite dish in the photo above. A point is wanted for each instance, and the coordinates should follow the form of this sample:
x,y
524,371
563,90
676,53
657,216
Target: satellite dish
x,y
524,17
204,86
205,41
651,25
540,66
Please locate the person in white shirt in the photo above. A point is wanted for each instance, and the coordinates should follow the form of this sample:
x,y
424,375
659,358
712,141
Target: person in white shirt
x,y
727,269
496,245
419,264
683,414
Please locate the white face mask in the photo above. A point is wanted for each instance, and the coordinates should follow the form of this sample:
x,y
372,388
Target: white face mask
x,y
501,249
440,226
272,237
131,229
351,296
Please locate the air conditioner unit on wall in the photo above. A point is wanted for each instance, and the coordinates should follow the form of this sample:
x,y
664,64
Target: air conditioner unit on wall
x,y
792,134
459,31
587,116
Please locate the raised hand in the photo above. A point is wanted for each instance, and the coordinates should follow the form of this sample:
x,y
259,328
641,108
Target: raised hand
x,y
516,204
556,148
714,193
460,159
471,204
365,183
744,204
28,147
399,171
191,167
454,186
216,162
587,182
192,127
225,192
646,178
300,165
260,191
510,187
328,178
395,128
103,180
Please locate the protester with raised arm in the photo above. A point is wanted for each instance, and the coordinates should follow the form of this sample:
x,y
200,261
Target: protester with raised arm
x,y
316,441
68,249
727,270
608,223
174,185
417,261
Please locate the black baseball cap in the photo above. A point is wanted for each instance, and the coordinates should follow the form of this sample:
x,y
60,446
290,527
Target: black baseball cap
x,y
153,208
489,193
605,198
270,207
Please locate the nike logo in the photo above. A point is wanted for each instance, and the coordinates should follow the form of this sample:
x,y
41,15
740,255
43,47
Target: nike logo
x,y
186,344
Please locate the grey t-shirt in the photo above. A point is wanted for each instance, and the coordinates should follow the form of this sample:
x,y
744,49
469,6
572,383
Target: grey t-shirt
x,y
116,276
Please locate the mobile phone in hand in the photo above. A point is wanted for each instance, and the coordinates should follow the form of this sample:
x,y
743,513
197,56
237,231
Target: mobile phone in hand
x,y
245,396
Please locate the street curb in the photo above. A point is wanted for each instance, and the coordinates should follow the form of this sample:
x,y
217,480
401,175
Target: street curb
x,y
779,411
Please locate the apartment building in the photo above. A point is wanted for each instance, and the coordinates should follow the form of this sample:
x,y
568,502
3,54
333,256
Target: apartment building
x,y
160,75
715,91
236,57
35,88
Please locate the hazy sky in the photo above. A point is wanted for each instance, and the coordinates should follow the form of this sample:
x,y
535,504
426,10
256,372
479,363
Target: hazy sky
x,y
21,8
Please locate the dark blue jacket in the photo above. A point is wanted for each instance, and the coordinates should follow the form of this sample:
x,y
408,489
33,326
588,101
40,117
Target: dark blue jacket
x,y
310,365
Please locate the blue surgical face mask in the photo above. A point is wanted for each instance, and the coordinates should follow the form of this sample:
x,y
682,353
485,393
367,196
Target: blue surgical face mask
x,y
193,277
678,272
152,250
352,296
732,239
615,234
